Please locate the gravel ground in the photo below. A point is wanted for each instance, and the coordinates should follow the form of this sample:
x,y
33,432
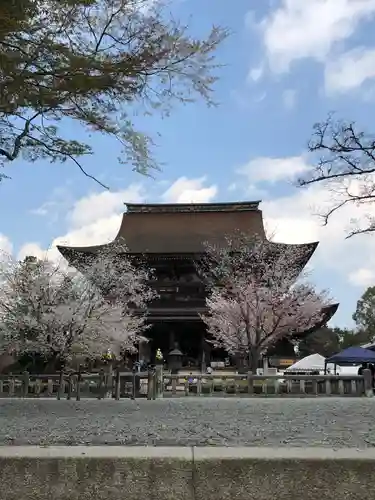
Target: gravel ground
x,y
330,422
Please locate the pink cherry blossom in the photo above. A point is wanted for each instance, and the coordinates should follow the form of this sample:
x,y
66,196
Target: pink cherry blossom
x,y
254,299
49,309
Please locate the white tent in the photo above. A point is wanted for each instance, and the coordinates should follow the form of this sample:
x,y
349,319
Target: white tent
x,y
314,362
370,345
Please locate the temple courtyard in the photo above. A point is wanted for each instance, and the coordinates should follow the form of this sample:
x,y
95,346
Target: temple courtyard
x,y
331,422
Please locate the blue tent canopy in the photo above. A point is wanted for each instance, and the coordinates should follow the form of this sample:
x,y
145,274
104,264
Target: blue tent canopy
x,y
354,355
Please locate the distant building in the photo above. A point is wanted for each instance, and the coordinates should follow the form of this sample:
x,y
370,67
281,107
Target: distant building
x,y
170,237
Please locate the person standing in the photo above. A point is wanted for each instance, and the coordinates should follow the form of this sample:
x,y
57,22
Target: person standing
x,y
362,368
371,367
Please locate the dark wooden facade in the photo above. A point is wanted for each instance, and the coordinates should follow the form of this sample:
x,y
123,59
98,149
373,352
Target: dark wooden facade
x,y
170,238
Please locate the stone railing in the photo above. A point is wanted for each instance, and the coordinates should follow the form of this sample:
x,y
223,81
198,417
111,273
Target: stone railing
x,y
267,385
155,384
75,385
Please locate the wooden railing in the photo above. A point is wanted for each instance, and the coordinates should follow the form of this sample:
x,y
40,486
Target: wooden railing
x,y
155,383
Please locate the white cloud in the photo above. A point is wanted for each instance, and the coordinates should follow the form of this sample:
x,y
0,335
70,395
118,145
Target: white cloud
x,y
350,70
293,219
255,74
93,219
34,249
103,205
58,203
186,190
289,98
5,244
103,230
362,277
272,170
301,29
96,218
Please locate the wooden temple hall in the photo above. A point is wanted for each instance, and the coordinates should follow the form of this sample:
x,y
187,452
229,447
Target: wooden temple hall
x,y
171,237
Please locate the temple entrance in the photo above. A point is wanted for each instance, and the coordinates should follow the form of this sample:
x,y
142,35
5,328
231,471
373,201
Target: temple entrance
x,y
189,335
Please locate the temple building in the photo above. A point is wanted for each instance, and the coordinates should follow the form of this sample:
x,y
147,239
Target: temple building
x,y
171,237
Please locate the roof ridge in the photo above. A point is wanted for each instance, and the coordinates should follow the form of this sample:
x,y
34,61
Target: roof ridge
x,y
238,206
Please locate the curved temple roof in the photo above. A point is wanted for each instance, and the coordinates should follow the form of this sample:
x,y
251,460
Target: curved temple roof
x,y
172,229
328,312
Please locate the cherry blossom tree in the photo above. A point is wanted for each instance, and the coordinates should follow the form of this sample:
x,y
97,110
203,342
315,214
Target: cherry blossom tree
x,y
254,300
50,310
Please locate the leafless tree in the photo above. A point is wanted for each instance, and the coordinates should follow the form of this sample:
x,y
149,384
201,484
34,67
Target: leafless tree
x,y
347,167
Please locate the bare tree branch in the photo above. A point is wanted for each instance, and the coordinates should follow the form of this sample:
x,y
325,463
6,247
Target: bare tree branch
x,y
346,166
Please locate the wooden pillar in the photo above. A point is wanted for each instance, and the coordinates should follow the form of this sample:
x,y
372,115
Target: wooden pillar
x,y
143,351
172,339
207,350
203,354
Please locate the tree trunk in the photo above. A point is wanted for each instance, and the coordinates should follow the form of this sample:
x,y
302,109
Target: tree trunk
x,y
253,359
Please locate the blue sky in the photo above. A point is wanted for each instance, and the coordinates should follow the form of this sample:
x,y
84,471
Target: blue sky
x,y
288,63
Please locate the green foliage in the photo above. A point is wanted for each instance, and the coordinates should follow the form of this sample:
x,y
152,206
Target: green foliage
x,y
351,338
324,341
364,315
99,63
327,341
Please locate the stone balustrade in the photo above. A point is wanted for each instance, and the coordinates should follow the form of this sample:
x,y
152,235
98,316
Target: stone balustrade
x,y
155,383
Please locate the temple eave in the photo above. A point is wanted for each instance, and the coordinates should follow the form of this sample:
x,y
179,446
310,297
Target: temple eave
x,y
84,250
306,250
328,313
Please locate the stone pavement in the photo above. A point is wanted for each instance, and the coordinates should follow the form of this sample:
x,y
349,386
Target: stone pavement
x,y
316,422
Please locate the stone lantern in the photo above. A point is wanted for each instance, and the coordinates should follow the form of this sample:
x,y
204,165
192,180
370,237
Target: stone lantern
x,y
175,359
159,357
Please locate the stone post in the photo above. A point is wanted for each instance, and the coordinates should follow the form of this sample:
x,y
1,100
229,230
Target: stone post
x,y
159,380
265,365
50,387
118,384
109,381
134,382
70,387
101,384
367,381
151,383
25,384
79,382
60,387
